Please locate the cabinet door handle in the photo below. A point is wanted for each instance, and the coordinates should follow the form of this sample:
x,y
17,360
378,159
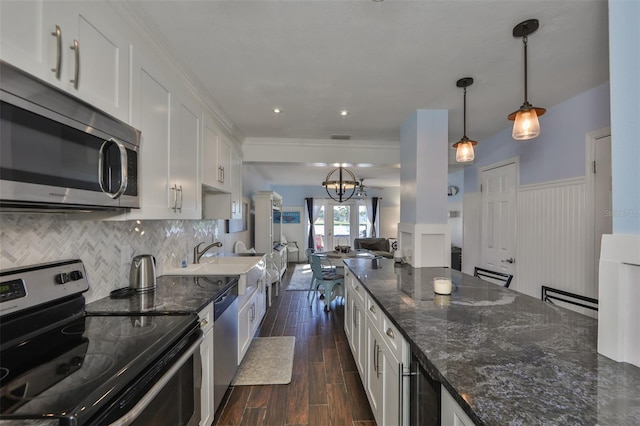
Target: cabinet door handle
x,y
58,35
390,333
203,322
180,208
378,350
175,198
355,309
76,75
372,308
375,355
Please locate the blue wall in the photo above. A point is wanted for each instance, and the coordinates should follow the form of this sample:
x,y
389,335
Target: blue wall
x,y
624,69
559,151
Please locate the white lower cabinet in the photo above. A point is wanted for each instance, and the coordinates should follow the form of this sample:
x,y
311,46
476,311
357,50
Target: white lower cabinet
x,y
380,353
250,314
383,378
452,414
206,354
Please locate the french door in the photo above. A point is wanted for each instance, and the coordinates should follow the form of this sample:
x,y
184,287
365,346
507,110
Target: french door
x,y
340,224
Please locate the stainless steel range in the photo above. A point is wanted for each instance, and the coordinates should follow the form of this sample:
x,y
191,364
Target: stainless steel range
x,y
67,367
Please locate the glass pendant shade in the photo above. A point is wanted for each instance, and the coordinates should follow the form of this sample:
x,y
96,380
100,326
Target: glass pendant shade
x,y
526,125
464,152
525,120
464,147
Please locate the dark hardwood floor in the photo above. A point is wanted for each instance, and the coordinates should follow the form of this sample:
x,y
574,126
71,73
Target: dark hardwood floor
x,y
325,387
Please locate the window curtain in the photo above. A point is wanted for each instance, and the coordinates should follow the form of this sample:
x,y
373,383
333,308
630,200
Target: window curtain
x,y
313,210
374,209
369,206
309,202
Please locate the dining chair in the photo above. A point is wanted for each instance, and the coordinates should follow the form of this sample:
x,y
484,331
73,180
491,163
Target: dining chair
x,y
308,252
493,276
324,276
292,247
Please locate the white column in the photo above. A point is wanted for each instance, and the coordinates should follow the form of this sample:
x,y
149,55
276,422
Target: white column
x,y
424,236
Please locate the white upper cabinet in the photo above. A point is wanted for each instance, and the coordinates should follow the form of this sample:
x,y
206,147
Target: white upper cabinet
x,y
210,168
221,174
184,185
236,185
75,46
170,124
151,114
224,164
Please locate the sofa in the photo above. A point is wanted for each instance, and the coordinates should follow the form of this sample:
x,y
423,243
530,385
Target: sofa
x,y
378,246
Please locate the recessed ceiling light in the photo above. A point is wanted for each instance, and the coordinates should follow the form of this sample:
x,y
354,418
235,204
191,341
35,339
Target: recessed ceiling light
x,y
344,112
277,110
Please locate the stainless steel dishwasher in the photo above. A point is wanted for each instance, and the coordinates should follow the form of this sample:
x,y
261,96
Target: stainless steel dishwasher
x,y
225,342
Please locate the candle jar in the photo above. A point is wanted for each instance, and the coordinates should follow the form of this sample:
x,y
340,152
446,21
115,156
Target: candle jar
x,y
442,285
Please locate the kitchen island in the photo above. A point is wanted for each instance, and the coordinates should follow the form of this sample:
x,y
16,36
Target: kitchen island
x,y
505,357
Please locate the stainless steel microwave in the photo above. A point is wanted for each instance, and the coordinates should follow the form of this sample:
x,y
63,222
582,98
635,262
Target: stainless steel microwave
x,y
59,153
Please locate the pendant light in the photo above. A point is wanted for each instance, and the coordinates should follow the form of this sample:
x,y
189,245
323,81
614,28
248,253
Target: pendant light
x,y
526,125
344,187
464,148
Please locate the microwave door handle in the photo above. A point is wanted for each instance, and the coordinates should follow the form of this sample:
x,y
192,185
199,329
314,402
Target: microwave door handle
x,y
123,168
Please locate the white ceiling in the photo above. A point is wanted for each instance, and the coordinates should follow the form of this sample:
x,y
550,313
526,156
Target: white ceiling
x,y
379,60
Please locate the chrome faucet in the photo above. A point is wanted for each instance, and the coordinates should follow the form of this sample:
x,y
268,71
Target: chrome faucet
x,y
197,254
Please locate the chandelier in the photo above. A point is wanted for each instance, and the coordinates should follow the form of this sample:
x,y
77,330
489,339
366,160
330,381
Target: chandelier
x,y
340,184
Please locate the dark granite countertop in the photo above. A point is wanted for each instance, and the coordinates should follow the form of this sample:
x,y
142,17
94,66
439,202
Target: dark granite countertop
x,y
173,295
507,358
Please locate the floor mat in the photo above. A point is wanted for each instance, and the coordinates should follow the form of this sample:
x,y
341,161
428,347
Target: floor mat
x,y
269,361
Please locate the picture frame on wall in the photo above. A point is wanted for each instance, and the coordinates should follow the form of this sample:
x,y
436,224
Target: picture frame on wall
x,y
290,217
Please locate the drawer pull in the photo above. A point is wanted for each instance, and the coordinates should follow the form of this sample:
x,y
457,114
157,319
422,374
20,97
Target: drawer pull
x,y
203,322
390,333
372,308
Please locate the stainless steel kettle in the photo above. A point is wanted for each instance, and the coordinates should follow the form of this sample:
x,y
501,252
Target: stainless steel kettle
x,y
142,276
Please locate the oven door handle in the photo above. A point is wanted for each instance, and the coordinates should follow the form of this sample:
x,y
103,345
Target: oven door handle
x,y
156,388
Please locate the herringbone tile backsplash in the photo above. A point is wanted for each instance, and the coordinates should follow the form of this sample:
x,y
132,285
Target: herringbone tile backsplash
x,y
105,247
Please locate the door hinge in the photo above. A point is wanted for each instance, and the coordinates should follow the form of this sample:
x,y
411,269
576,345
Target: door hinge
x,y
593,167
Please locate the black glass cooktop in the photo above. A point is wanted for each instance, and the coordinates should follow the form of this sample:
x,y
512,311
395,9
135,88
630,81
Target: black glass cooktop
x,y
80,365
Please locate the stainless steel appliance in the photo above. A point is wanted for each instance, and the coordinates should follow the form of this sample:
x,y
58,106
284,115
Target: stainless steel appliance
x,y
142,276
424,396
59,153
225,342
60,364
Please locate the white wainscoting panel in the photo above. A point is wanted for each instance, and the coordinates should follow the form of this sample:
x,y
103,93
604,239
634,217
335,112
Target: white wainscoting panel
x,y
471,246
552,239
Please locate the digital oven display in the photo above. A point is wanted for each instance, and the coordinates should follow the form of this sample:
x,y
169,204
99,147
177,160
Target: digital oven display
x,y
13,289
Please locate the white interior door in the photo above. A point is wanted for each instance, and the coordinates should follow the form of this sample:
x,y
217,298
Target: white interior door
x,y
498,247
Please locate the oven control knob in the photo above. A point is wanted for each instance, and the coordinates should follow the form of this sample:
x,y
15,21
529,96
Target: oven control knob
x,y
62,278
63,369
76,361
75,275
